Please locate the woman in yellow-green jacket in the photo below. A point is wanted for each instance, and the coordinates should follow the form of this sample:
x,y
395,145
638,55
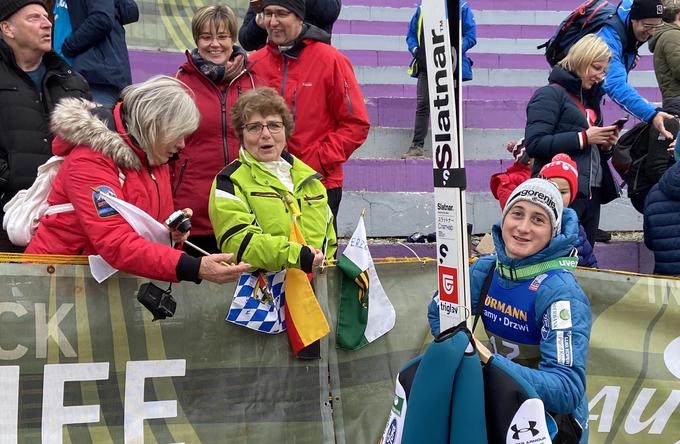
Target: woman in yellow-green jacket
x,y
254,200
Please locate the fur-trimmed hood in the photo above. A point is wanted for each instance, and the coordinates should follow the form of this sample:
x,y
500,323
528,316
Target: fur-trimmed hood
x,y
74,122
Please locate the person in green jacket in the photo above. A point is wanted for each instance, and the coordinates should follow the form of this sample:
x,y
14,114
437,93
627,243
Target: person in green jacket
x,y
255,200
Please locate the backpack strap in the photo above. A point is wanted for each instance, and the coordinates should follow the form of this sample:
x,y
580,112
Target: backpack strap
x,y
482,294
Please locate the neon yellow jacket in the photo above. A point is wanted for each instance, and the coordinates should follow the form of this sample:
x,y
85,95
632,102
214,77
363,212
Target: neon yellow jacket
x,y
251,219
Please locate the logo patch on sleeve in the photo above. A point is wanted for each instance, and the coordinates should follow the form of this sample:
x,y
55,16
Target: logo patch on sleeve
x,y
560,315
545,328
537,282
102,207
564,351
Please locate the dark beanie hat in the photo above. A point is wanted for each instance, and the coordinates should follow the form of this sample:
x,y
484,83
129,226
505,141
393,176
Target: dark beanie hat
x,y
643,9
9,7
295,6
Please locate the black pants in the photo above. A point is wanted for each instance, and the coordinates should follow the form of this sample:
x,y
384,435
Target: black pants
x,y
588,212
334,198
205,241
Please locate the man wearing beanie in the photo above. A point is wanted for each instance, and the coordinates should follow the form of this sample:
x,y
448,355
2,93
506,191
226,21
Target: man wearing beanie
x,y
34,79
640,18
562,171
253,34
535,315
319,85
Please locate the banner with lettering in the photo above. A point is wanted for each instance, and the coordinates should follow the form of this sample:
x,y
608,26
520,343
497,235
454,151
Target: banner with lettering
x,y
82,362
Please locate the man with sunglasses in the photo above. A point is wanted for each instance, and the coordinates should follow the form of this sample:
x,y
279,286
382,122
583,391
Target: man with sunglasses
x,y
641,18
319,86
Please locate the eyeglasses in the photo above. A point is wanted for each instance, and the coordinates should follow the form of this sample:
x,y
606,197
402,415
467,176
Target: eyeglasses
x,y
279,14
256,128
650,27
210,37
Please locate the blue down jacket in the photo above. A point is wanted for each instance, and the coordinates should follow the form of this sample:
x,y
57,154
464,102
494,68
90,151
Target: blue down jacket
x,y
661,225
561,386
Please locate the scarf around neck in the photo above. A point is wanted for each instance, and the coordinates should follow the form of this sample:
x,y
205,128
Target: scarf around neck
x,y
219,73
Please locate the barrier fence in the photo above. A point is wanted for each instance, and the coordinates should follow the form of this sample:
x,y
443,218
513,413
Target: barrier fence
x,y
82,362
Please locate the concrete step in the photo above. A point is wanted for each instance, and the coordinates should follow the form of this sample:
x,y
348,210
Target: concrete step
x,y
628,256
400,213
480,144
399,112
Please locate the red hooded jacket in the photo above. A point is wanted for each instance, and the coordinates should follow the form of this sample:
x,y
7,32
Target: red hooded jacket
x,y
212,146
328,108
94,227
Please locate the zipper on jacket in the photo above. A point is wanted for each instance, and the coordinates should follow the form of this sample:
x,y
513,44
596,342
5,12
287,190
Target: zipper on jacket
x,y
349,100
265,194
293,105
178,182
284,78
158,194
590,157
270,195
311,198
223,105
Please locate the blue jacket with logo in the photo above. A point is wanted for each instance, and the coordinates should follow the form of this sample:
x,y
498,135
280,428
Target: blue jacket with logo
x,y
616,82
97,43
469,32
559,378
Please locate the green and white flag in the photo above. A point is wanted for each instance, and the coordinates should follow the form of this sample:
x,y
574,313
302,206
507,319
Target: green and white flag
x,y
365,313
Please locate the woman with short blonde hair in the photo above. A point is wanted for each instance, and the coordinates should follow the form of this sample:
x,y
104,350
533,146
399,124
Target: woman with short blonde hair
x,y
217,72
588,50
565,117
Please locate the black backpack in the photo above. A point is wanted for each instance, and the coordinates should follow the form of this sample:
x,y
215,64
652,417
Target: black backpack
x,y
588,18
629,156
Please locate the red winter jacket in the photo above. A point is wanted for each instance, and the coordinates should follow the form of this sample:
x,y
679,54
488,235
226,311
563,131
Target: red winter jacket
x,y
213,146
318,83
503,184
94,227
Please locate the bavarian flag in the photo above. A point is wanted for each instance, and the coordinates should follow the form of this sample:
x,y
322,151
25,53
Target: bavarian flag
x,y
365,312
305,321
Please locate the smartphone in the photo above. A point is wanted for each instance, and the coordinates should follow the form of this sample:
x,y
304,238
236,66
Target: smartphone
x,y
621,122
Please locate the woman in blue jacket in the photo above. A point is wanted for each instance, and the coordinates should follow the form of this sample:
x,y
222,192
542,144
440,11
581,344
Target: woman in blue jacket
x,y
535,314
564,117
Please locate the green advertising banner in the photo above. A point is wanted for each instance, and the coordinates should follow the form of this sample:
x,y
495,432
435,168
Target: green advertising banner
x,y
82,362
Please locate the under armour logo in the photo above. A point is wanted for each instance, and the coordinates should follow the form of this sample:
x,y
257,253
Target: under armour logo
x,y
531,428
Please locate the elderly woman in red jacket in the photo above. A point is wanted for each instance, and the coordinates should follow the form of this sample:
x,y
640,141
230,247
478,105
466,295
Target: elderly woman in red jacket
x,y
123,152
217,73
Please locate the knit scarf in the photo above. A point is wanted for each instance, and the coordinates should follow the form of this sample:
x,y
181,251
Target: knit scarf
x,y
219,73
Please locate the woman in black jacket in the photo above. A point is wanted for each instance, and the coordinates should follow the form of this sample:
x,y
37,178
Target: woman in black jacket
x,y
565,117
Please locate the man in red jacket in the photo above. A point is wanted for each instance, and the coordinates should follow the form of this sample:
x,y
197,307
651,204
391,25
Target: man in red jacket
x,y
318,84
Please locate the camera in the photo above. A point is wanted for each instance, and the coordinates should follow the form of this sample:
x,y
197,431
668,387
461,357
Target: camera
x,y
159,302
179,221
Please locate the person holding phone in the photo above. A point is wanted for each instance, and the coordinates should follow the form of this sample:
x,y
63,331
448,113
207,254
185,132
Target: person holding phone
x,y
565,117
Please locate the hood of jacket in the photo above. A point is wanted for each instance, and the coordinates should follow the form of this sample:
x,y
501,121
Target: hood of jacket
x,y
665,28
670,182
76,122
559,246
309,32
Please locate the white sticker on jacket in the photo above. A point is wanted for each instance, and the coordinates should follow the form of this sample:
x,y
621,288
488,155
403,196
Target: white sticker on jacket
x,y
564,350
560,315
